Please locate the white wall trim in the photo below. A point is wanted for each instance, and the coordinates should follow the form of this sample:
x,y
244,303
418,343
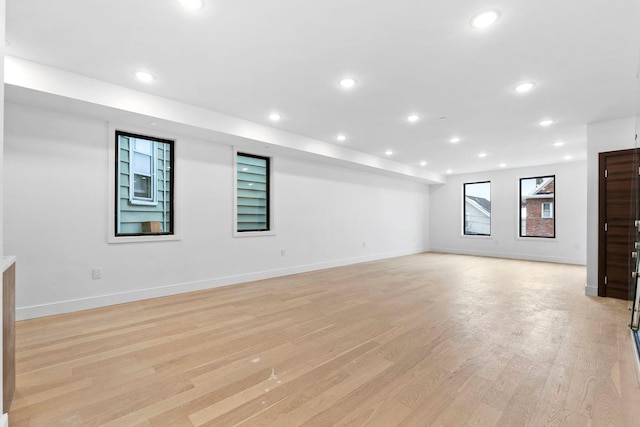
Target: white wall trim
x,y
510,255
590,291
60,307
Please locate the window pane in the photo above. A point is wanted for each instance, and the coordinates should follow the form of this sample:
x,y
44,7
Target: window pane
x,y
252,187
143,146
144,185
477,208
537,207
142,164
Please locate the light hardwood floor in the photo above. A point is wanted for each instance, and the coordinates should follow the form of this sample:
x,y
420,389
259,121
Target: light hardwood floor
x,y
423,340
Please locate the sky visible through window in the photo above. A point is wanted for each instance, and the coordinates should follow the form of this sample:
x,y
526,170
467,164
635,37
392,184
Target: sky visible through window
x,y
482,190
527,186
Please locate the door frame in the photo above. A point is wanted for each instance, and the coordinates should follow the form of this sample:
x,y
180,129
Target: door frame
x,y
602,290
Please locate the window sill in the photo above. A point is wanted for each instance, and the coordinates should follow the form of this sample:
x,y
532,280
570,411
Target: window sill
x,y
537,239
476,236
253,233
140,239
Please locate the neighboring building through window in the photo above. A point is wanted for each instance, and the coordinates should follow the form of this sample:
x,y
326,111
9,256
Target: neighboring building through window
x,y
143,161
477,208
537,207
144,185
253,193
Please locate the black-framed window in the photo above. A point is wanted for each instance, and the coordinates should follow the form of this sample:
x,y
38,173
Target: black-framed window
x,y
252,193
477,208
538,206
144,183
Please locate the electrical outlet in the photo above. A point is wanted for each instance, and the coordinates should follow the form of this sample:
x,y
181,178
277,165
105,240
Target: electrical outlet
x,y
283,253
96,273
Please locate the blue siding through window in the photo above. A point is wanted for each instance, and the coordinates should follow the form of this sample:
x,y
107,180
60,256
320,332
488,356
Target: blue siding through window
x,y
130,216
252,193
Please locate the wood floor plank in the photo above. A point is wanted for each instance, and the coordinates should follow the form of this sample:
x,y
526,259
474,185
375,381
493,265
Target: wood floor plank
x,y
552,402
484,416
258,405
465,401
521,407
583,382
428,339
313,398
506,385
434,405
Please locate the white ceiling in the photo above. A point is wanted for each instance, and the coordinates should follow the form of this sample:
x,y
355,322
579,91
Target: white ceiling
x,y
246,58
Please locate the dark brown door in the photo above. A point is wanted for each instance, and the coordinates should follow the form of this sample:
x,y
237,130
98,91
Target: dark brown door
x,y
618,172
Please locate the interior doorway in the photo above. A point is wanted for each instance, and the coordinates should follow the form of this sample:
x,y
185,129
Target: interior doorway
x,y
617,215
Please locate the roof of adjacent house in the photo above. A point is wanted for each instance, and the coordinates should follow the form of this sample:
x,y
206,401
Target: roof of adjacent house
x,y
542,190
483,204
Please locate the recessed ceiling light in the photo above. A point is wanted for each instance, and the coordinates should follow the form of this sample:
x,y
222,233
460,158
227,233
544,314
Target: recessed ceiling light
x,y
558,143
485,19
454,140
546,122
388,152
449,171
341,137
347,82
568,157
144,77
274,117
412,118
524,87
192,4
482,155
423,163
503,165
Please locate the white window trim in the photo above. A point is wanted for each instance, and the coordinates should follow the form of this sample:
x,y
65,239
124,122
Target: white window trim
x,y
111,205
550,210
272,229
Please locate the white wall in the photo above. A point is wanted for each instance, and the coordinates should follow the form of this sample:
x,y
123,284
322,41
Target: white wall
x,y
56,214
569,246
601,137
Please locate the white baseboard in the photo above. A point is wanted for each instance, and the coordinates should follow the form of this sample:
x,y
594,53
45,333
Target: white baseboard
x,y
591,291
4,420
60,307
510,255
